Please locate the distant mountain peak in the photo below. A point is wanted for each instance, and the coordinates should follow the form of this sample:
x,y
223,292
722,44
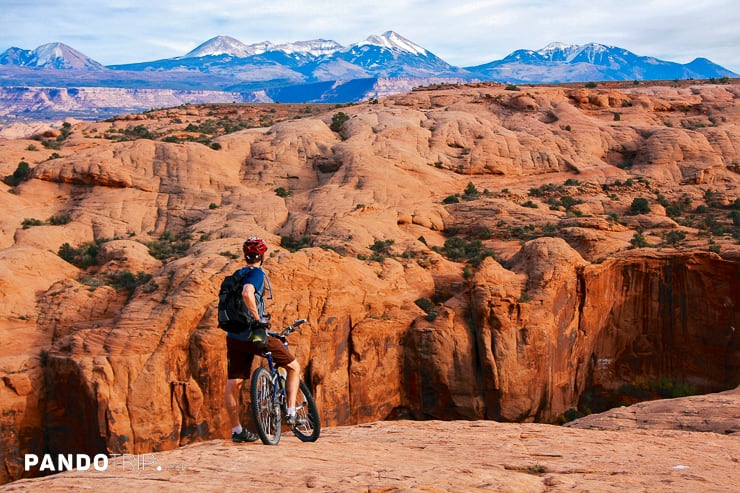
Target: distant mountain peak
x,y
315,47
395,42
226,45
50,55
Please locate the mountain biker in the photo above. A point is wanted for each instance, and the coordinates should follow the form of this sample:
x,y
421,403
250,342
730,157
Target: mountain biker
x,y
240,352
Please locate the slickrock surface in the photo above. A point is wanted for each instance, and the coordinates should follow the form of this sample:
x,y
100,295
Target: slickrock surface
x,y
432,456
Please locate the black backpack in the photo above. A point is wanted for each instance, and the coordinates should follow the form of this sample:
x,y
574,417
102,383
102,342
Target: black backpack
x,y
233,315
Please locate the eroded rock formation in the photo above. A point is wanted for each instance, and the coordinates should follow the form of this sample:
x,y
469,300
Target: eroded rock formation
x,y
536,302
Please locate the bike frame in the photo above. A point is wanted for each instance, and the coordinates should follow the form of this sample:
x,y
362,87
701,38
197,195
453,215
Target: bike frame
x,y
278,381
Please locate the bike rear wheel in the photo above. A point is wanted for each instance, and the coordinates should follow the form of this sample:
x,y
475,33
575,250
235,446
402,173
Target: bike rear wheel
x,y
265,406
308,427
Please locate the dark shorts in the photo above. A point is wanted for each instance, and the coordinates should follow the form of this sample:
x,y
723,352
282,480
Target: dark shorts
x,y
240,354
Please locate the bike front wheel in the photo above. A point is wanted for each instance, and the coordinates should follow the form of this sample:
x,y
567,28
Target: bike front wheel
x,y
265,407
308,424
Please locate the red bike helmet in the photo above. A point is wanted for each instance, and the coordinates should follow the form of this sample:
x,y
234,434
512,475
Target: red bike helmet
x,y
254,247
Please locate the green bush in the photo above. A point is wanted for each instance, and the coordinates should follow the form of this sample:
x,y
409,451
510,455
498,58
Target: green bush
x,y
282,192
60,219
125,280
470,192
381,249
458,249
21,174
639,205
338,120
27,223
674,237
639,241
295,244
169,245
83,256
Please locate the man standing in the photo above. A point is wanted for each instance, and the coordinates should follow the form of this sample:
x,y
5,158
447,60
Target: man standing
x,y
240,352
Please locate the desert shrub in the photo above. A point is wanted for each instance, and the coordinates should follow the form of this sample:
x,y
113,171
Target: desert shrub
x,y
639,205
169,246
21,174
29,222
381,249
295,244
663,387
459,250
282,192
470,192
60,219
638,241
338,120
674,237
83,256
125,280
735,216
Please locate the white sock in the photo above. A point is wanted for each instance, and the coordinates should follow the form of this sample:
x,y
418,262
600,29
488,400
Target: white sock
x,y
237,429
291,411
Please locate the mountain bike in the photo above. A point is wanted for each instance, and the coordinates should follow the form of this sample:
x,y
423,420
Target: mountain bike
x,y
269,399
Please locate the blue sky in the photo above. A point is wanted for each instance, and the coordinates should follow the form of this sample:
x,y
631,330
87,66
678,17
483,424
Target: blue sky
x,y
461,32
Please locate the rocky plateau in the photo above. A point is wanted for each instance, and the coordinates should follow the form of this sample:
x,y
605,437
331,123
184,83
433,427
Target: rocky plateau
x,y
476,262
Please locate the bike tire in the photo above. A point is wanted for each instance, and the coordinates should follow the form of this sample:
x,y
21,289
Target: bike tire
x,y
309,423
265,407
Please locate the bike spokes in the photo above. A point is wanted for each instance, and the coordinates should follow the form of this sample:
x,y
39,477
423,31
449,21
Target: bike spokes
x,y
308,425
266,410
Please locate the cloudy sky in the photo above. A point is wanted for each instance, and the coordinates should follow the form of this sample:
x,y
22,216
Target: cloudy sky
x,y
462,32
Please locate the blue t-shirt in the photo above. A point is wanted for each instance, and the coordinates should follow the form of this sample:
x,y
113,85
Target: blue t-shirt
x,y
257,278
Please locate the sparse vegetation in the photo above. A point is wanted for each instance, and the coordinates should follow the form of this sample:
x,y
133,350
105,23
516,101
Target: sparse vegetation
x,y
169,245
639,241
461,250
83,256
29,222
640,205
21,174
665,387
429,308
338,120
282,192
295,244
60,219
125,280
381,250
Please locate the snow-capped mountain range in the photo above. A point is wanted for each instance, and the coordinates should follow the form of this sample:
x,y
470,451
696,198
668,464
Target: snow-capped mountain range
x,y
243,66
322,70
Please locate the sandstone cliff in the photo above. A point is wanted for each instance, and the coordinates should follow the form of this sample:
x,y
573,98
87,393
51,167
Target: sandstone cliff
x,y
459,252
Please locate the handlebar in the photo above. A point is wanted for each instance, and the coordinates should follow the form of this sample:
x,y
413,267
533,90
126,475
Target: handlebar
x,y
288,330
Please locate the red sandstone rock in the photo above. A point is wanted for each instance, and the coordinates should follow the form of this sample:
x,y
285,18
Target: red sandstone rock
x,y
519,338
